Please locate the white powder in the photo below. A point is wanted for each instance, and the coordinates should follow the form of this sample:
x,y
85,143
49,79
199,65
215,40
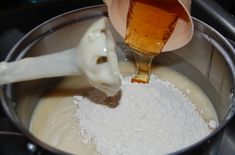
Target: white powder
x,y
150,119
212,124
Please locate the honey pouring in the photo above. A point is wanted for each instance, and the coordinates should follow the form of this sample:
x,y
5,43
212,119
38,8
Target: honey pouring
x,y
150,27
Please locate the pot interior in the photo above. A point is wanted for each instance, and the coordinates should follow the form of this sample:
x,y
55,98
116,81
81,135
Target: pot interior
x,y
203,60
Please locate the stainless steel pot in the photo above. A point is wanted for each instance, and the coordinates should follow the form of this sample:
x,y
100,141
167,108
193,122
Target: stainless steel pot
x,y
208,60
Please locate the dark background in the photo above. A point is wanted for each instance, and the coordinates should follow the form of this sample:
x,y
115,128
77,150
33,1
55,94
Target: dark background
x,y
17,17
20,16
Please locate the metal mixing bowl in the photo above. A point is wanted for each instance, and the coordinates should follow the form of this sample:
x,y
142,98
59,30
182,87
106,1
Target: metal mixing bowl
x,y
208,60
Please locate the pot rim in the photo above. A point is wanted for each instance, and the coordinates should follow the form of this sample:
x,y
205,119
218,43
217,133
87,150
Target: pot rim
x,y
102,8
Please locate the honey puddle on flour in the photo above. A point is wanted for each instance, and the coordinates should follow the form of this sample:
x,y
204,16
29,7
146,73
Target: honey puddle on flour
x,y
149,26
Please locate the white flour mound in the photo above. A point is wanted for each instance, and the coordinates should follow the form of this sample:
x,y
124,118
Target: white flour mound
x,y
150,119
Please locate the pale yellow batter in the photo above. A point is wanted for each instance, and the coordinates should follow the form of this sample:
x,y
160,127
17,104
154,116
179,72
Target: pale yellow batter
x,y
54,121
